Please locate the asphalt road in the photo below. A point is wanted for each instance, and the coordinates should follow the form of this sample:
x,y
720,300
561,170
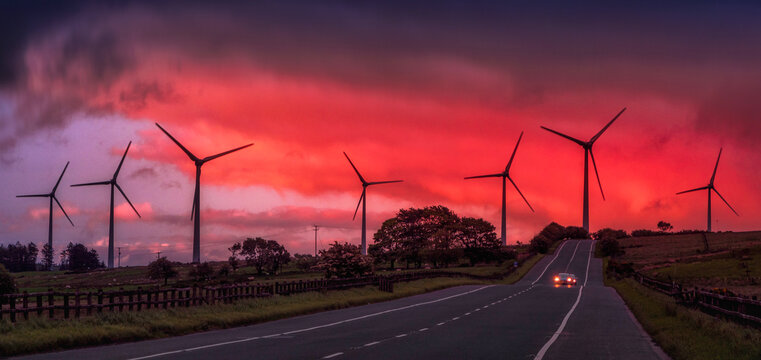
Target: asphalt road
x,y
532,319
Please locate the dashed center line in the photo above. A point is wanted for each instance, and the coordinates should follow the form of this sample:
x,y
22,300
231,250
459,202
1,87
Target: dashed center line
x,y
372,343
455,318
332,355
441,323
423,329
401,335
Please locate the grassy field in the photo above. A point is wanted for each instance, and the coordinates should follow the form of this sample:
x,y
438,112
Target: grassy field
x,y
685,333
733,260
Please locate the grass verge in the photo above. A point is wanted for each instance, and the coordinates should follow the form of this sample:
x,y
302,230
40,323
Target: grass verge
x,y
40,334
685,333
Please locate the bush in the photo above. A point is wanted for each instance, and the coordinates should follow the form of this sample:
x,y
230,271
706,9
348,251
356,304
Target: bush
x,y
343,261
202,271
7,284
609,247
645,232
539,244
609,233
575,232
553,232
305,262
161,269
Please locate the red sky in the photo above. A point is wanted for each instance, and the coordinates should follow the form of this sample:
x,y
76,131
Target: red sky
x,y
428,95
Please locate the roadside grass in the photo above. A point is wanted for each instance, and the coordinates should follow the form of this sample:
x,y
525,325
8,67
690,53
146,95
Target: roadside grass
x,y
40,334
685,333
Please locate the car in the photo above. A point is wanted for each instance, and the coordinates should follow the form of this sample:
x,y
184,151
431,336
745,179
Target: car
x,y
565,279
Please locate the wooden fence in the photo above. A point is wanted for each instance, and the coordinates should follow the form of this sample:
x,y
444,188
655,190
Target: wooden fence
x,y
57,304
737,308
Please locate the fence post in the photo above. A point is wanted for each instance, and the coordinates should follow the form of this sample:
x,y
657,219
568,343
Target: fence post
x,y
89,302
100,301
65,305
39,305
76,304
51,304
26,305
140,298
130,299
12,303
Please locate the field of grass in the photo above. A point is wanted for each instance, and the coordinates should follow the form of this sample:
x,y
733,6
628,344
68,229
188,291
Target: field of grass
x,y
733,260
685,333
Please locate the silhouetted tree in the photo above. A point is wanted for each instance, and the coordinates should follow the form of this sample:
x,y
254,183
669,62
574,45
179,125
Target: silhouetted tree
x,y
664,226
479,240
278,256
78,258
264,254
344,260
47,256
233,259
7,283
19,257
161,269
202,271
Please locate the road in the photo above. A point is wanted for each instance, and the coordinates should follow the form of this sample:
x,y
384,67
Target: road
x,y
531,319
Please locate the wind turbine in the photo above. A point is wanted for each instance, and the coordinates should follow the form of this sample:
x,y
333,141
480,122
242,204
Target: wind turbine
x,y
505,175
362,201
52,197
587,154
710,187
113,184
195,214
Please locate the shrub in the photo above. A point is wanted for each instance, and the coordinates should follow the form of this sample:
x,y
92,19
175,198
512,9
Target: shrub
x,y
539,244
161,269
7,284
575,232
645,232
609,233
202,271
344,260
609,247
305,262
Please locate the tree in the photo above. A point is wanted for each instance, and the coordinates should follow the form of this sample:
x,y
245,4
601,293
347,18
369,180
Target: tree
x,y
278,256
609,233
479,240
305,262
664,226
161,269
79,258
7,284
19,257
233,259
264,254
47,256
575,232
202,271
343,261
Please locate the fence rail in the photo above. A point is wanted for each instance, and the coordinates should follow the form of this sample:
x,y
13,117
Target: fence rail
x,y
737,308
57,304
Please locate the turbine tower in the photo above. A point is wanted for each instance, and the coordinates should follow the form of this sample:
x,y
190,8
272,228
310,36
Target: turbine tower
x,y
710,187
113,184
362,201
505,175
196,211
52,197
587,154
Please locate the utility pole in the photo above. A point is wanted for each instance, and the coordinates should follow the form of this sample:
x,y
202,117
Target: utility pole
x,y
316,228
120,257
158,255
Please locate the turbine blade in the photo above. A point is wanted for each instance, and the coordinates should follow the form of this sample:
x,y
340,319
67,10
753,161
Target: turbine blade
x,y
355,169
187,152
59,178
119,168
93,183
359,203
565,136
509,163
691,190
485,176
384,182
35,195
716,167
519,192
126,198
725,201
594,165
210,158
64,211
594,138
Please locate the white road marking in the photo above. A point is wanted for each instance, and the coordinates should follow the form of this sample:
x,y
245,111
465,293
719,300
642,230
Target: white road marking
x,y
466,314
401,335
423,329
557,333
455,318
441,323
477,310
572,256
311,328
557,252
333,355
372,343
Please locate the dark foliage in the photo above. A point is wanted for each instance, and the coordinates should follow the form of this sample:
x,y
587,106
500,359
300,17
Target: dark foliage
x,y
47,256
343,261
664,226
19,257
7,284
575,232
549,235
161,269
76,257
305,262
202,271
609,233
264,254
645,232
